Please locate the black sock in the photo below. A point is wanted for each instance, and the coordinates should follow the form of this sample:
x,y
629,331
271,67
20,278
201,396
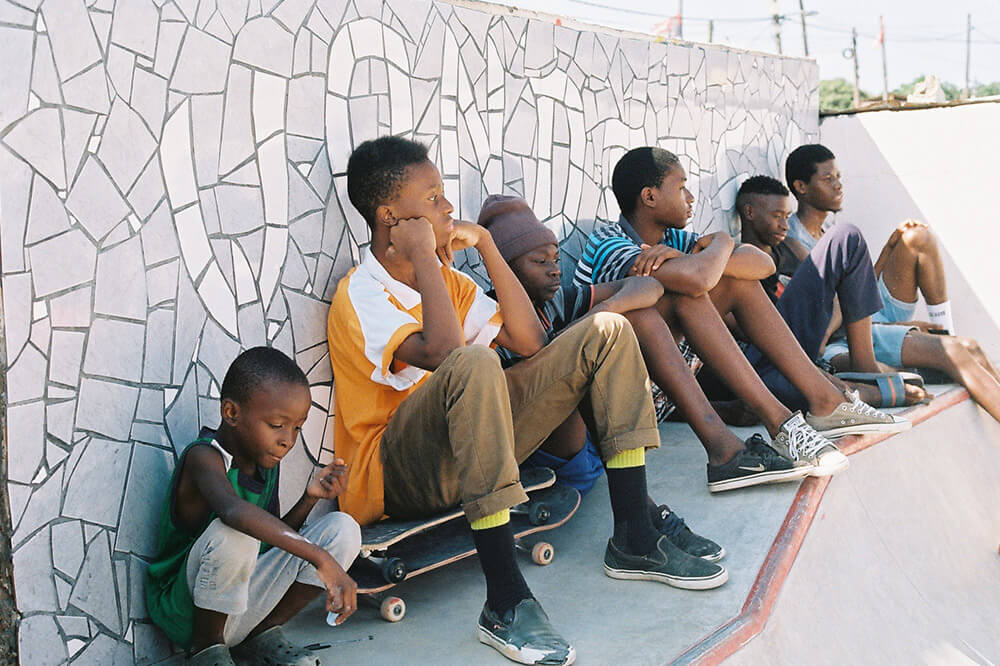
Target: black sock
x,y
629,504
505,586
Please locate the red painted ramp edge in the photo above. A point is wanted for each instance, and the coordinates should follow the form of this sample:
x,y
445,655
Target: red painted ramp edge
x,y
730,636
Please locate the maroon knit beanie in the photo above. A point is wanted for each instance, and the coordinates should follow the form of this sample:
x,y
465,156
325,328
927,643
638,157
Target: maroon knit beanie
x,y
513,225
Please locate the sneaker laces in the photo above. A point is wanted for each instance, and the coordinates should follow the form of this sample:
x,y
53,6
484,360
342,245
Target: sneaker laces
x,y
672,524
858,406
805,443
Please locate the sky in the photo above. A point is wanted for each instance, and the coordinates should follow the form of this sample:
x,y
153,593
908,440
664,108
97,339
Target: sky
x,y
921,36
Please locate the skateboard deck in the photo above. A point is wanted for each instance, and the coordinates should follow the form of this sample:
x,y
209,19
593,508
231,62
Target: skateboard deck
x,y
384,534
450,540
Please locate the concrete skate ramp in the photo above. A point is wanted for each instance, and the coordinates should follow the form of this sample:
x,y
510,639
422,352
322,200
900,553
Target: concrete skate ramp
x,y
900,564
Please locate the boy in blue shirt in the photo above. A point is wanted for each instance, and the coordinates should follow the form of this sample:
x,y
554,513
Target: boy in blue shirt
x,y
709,278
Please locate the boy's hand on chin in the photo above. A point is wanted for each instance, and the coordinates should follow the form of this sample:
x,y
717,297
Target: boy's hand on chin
x,y
410,238
463,236
330,482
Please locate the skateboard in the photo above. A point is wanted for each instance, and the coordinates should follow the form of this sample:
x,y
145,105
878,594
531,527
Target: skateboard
x,y
394,551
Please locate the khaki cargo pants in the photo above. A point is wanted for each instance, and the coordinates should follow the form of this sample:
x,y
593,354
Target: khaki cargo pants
x,y
458,439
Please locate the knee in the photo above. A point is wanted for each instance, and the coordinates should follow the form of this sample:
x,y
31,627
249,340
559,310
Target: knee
x,y
473,359
608,325
849,235
229,545
918,238
339,535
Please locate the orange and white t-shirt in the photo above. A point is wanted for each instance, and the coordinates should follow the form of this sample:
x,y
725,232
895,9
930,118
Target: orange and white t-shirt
x,y
371,314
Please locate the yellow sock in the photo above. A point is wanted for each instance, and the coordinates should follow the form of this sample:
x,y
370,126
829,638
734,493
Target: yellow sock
x,y
628,458
493,520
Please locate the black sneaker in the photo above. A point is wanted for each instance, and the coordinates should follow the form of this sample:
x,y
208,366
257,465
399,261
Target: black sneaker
x,y
756,464
672,526
666,564
525,635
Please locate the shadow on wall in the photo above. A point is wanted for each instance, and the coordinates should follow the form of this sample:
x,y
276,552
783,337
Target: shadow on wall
x,y
880,193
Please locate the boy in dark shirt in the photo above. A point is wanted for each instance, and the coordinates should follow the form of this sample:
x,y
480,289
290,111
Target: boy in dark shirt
x,y
229,571
533,254
814,291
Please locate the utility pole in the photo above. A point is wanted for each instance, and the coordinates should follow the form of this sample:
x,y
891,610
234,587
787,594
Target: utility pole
x,y
968,53
885,69
711,31
680,19
854,55
776,16
802,15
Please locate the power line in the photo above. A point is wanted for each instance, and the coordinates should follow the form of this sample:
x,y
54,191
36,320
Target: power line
x,y
640,12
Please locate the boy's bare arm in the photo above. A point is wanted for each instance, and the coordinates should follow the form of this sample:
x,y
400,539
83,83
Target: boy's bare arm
x,y
521,332
749,263
413,239
207,476
697,273
621,296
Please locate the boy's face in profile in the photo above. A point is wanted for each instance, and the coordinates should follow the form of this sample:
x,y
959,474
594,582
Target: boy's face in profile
x,y
674,202
422,195
768,214
825,190
538,271
268,423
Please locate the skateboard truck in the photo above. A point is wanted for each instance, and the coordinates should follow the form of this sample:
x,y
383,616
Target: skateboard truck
x,y
538,513
393,569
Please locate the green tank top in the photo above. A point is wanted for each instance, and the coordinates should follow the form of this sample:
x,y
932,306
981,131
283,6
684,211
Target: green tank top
x,y
168,598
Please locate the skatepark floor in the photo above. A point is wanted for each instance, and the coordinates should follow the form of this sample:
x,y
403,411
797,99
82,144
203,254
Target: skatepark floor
x,y
634,622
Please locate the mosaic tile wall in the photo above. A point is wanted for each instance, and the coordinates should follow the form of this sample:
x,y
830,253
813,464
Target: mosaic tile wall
x,y
172,190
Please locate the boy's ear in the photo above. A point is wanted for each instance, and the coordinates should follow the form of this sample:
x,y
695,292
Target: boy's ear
x,y
799,187
230,411
384,216
647,196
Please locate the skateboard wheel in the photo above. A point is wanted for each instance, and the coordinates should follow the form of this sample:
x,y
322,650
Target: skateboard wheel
x,y
539,513
393,569
392,609
542,553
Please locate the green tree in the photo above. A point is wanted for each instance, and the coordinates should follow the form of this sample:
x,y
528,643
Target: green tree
x,y
986,89
837,95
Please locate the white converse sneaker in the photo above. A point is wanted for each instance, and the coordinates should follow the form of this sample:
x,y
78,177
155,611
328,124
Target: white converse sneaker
x,y
798,441
855,417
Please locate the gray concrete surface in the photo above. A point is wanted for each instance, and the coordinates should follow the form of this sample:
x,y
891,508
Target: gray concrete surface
x,y
608,621
901,564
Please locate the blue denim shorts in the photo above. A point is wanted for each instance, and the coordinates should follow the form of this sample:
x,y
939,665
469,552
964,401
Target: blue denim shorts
x,y
893,310
886,338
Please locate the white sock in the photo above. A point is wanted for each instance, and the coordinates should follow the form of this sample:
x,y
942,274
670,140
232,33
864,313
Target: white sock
x,y
940,314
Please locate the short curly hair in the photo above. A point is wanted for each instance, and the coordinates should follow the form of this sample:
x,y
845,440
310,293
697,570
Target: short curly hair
x,y
258,366
801,162
375,171
758,185
640,168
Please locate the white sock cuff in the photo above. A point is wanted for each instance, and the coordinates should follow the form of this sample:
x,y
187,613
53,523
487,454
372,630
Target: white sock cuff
x,y
941,314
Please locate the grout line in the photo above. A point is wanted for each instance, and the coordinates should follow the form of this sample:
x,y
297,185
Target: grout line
x,y
730,636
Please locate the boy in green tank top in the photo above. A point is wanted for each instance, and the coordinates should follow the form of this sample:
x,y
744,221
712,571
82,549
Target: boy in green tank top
x,y
230,571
